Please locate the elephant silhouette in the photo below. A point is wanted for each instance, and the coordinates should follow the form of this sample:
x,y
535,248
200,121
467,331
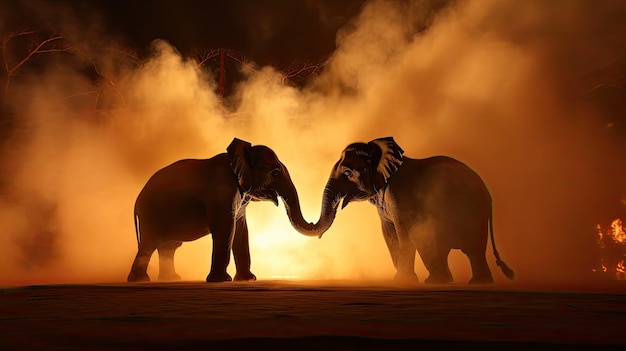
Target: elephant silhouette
x,y
429,206
194,197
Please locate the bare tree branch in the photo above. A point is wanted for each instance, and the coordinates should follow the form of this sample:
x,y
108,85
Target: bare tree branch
x,y
306,70
204,57
40,48
85,53
240,58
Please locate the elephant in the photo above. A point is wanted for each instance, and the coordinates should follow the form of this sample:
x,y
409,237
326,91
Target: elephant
x,y
191,198
430,205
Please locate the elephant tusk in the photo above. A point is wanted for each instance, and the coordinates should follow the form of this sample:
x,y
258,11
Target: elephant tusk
x,y
344,203
274,199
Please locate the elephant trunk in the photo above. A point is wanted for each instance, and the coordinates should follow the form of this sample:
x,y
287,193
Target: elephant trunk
x,y
330,203
294,212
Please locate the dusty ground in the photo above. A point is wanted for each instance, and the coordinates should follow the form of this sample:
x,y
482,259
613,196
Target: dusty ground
x,y
307,315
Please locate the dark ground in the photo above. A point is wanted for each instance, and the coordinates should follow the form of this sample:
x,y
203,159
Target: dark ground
x,y
307,315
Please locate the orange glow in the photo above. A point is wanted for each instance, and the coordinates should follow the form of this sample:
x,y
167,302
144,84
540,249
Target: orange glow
x,y
617,231
613,250
621,269
488,83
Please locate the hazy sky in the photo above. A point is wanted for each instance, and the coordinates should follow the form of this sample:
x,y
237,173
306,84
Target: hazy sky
x,y
525,92
267,31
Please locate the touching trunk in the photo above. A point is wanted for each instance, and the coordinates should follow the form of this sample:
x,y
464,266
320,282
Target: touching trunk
x,y
294,212
330,202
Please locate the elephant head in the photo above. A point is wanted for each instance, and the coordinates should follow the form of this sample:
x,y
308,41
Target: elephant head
x,y
262,177
361,172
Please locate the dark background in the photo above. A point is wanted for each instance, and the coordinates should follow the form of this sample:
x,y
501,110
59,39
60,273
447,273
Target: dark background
x,y
272,31
285,34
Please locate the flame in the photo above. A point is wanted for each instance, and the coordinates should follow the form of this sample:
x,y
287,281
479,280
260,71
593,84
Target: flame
x,y
612,244
438,86
617,231
621,269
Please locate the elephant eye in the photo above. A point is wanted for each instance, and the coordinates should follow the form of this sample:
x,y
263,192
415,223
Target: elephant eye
x,y
347,173
274,174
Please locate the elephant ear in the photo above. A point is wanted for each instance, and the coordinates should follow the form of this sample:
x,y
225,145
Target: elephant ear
x,y
387,158
239,161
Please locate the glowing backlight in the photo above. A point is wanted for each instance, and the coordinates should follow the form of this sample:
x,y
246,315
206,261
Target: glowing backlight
x,y
612,245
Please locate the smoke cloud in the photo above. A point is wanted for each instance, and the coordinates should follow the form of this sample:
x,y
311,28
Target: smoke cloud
x,y
503,86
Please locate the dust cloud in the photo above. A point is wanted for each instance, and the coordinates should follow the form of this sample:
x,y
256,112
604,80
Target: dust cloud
x,y
501,85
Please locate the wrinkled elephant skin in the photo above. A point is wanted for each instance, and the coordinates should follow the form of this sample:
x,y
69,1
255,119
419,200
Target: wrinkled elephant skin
x,y
195,197
429,206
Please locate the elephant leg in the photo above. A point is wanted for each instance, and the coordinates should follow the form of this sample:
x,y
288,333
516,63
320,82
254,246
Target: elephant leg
x,y
481,274
405,258
433,252
139,269
391,239
222,234
241,250
166,251
437,264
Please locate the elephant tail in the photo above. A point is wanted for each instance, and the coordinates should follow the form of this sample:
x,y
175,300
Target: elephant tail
x,y
508,272
137,232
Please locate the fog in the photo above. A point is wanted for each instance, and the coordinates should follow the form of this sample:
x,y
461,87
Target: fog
x,y
500,85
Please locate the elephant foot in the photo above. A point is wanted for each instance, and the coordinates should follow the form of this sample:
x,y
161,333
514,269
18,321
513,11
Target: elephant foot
x,y
169,277
406,278
245,276
218,277
137,277
481,280
437,279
